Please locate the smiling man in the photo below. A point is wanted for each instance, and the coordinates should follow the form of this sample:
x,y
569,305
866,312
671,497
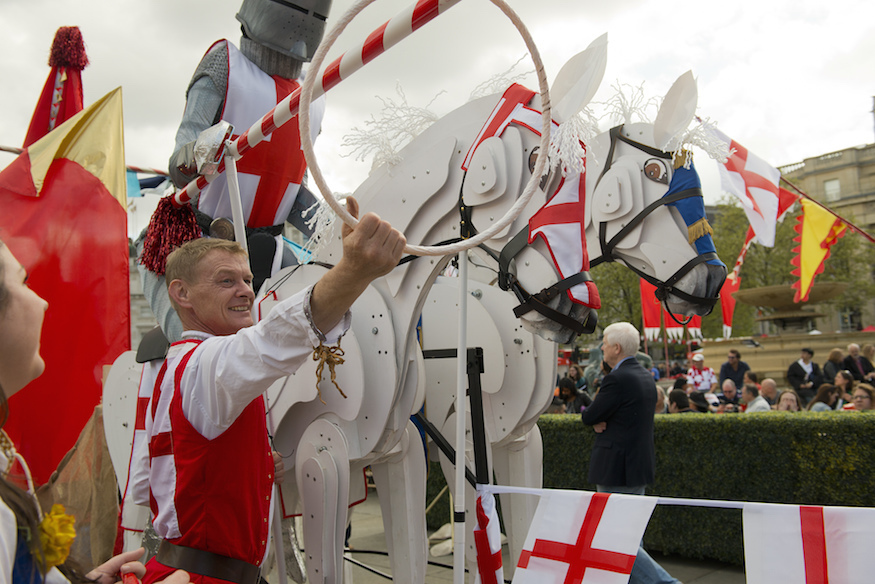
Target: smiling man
x,y
211,468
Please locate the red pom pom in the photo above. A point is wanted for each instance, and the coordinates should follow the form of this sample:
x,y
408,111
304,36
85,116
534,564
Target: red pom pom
x,y
68,49
170,227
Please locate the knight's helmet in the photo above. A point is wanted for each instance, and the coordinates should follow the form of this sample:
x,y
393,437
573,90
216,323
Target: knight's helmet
x,y
280,35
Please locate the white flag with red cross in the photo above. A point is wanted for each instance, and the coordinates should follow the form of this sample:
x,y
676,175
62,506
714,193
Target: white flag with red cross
x,y
795,544
755,182
487,540
583,537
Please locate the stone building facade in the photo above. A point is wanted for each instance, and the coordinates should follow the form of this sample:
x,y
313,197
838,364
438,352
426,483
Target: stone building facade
x,y
844,181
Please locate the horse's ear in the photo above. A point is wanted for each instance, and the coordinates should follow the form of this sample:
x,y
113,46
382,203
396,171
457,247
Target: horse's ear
x,y
676,112
578,80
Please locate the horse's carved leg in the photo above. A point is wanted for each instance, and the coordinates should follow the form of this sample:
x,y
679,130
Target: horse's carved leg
x,y
519,462
322,473
400,481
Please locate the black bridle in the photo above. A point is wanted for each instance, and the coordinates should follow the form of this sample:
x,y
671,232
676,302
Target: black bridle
x,y
663,288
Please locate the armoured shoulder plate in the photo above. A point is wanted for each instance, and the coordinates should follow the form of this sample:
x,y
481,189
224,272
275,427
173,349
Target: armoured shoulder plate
x,y
153,346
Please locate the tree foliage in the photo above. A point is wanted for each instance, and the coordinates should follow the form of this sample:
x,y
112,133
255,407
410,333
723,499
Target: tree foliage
x,y
850,261
620,294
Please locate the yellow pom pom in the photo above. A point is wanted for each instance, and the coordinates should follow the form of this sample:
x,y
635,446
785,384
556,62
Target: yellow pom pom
x,y
56,536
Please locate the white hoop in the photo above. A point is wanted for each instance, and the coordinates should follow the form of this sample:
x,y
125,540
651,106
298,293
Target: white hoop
x,y
327,193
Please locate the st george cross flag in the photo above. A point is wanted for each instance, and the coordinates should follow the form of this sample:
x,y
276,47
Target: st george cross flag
x,y
63,215
755,183
487,541
794,544
583,538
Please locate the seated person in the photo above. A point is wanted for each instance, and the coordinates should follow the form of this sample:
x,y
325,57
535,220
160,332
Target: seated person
x,y
769,391
679,402
699,402
825,399
754,402
728,398
858,365
575,401
661,407
805,375
789,401
864,397
750,377
682,383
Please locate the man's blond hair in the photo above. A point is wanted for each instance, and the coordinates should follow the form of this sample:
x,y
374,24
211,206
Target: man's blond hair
x,y
183,262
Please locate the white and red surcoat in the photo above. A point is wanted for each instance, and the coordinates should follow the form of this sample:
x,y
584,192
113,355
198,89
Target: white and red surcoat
x,y
702,379
270,174
211,469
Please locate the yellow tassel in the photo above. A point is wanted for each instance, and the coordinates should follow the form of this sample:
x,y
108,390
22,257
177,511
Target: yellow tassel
x,y
681,157
56,536
333,356
699,229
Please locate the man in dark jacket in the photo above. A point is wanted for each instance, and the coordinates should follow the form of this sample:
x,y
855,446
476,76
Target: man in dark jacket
x,y
805,376
623,456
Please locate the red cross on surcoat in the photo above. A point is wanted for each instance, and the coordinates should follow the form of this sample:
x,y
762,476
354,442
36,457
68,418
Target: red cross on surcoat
x,y
278,161
581,555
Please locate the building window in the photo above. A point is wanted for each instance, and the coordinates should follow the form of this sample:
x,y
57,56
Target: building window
x,y
832,189
850,320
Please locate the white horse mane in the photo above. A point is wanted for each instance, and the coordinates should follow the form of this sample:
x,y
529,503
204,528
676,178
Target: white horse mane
x,y
384,136
628,105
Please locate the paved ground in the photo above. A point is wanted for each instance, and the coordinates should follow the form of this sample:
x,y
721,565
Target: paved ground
x,y
367,536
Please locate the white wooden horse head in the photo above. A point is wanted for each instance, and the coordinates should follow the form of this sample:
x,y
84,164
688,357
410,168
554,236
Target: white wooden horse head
x,y
645,206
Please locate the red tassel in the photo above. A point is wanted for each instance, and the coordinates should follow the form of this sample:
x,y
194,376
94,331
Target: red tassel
x,y
170,227
68,49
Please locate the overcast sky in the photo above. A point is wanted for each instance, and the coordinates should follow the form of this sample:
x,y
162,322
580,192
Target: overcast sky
x,y
787,79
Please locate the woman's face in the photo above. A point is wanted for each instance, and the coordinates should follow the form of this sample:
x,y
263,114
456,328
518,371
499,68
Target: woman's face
x,y
840,379
788,403
833,396
21,323
862,401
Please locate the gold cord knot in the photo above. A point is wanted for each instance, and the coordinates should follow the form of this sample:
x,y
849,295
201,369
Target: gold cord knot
x,y
333,356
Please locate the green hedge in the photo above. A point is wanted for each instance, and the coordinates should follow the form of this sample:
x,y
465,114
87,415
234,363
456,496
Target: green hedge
x,y
774,457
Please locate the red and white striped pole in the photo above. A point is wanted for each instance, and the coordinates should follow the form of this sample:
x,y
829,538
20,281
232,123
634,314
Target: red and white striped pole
x,y
388,35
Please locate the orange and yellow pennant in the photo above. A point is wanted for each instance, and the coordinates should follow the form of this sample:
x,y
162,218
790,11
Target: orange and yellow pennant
x,y
818,231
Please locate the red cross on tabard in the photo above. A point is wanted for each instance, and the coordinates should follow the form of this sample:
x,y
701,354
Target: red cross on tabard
x,y
737,162
278,167
581,555
814,545
562,213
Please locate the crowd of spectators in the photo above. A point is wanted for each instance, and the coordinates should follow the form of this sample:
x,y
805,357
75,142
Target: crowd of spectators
x,y
844,382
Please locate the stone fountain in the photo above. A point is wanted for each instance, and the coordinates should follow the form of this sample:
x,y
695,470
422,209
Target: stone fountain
x,y
777,306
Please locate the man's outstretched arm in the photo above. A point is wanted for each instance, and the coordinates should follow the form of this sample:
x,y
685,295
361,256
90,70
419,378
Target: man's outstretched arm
x,y
371,250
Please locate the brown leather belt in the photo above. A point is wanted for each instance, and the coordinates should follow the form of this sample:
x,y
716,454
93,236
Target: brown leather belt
x,y
207,563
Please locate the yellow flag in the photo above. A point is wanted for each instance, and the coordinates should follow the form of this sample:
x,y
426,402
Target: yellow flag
x,y
93,138
818,231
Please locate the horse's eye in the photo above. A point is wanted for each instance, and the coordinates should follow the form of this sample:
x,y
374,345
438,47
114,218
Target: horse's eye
x,y
655,170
